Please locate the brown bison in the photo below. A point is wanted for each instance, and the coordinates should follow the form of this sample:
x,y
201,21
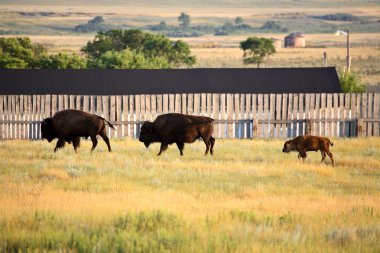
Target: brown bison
x,y
180,129
305,143
70,125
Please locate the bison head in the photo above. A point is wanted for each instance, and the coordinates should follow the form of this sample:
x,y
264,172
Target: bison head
x,y
148,134
289,146
47,129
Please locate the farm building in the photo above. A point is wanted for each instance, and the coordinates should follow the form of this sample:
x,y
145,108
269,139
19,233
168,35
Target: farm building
x,y
245,103
295,39
169,81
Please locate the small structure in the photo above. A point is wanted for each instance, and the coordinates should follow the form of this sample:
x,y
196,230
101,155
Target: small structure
x,y
277,43
295,39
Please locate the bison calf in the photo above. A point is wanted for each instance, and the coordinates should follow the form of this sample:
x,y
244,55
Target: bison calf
x,y
180,129
70,125
305,143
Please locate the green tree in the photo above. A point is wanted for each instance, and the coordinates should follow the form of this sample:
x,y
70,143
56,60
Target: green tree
x,y
127,59
256,49
177,53
184,20
351,82
238,20
63,61
20,53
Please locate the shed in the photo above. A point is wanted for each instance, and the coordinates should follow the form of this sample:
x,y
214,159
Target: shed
x,y
295,39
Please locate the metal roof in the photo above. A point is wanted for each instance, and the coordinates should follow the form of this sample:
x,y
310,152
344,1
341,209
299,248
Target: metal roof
x,y
162,81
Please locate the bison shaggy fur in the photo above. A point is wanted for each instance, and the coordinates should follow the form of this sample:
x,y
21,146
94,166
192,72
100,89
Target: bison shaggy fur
x,y
304,143
180,129
69,125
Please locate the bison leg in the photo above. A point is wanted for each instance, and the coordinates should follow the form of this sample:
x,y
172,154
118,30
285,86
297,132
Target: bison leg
x,y
163,147
303,155
180,146
323,155
106,140
207,143
94,142
212,142
60,144
331,157
76,143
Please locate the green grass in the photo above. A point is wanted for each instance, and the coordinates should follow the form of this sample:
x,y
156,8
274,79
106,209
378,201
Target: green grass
x,y
248,197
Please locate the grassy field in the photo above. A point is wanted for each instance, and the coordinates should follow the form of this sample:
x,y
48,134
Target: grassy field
x,y
249,197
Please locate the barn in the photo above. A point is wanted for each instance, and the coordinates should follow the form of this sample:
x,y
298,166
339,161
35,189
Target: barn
x,y
294,40
169,81
245,102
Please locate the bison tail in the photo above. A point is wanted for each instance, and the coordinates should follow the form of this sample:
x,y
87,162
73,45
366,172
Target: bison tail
x,y
108,123
112,126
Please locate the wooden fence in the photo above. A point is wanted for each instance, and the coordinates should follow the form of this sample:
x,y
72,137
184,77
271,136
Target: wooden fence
x,y
236,115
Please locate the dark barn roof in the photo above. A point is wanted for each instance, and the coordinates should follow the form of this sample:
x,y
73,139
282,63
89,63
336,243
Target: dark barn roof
x,y
161,81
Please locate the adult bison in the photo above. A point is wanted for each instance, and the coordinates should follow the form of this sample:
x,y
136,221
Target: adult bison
x,y
70,125
180,129
304,143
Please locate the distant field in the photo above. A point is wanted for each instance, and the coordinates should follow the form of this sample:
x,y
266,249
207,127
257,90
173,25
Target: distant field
x,y
54,29
249,197
217,51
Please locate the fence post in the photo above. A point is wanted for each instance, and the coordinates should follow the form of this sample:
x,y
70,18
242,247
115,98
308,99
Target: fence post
x,y
308,127
360,129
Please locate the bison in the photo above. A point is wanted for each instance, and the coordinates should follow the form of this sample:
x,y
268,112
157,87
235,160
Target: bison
x,y
305,143
70,125
180,129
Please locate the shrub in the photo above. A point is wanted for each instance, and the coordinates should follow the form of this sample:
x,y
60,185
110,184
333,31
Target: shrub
x,y
351,82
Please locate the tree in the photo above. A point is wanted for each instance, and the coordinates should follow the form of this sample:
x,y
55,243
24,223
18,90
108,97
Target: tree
x,y
238,20
20,53
351,82
161,26
150,45
256,49
63,61
184,20
116,40
127,59
96,24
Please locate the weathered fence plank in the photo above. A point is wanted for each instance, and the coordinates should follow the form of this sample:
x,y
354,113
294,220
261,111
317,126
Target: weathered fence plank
x,y
329,115
209,104
124,116
197,101
131,116
171,103
230,111
223,115
295,130
177,108
253,102
119,132
301,125
376,114
370,114
184,104
284,115
215,113
364,113
272,104
260,109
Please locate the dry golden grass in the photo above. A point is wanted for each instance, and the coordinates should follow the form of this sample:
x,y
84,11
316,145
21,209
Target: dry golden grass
x,y
248,184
